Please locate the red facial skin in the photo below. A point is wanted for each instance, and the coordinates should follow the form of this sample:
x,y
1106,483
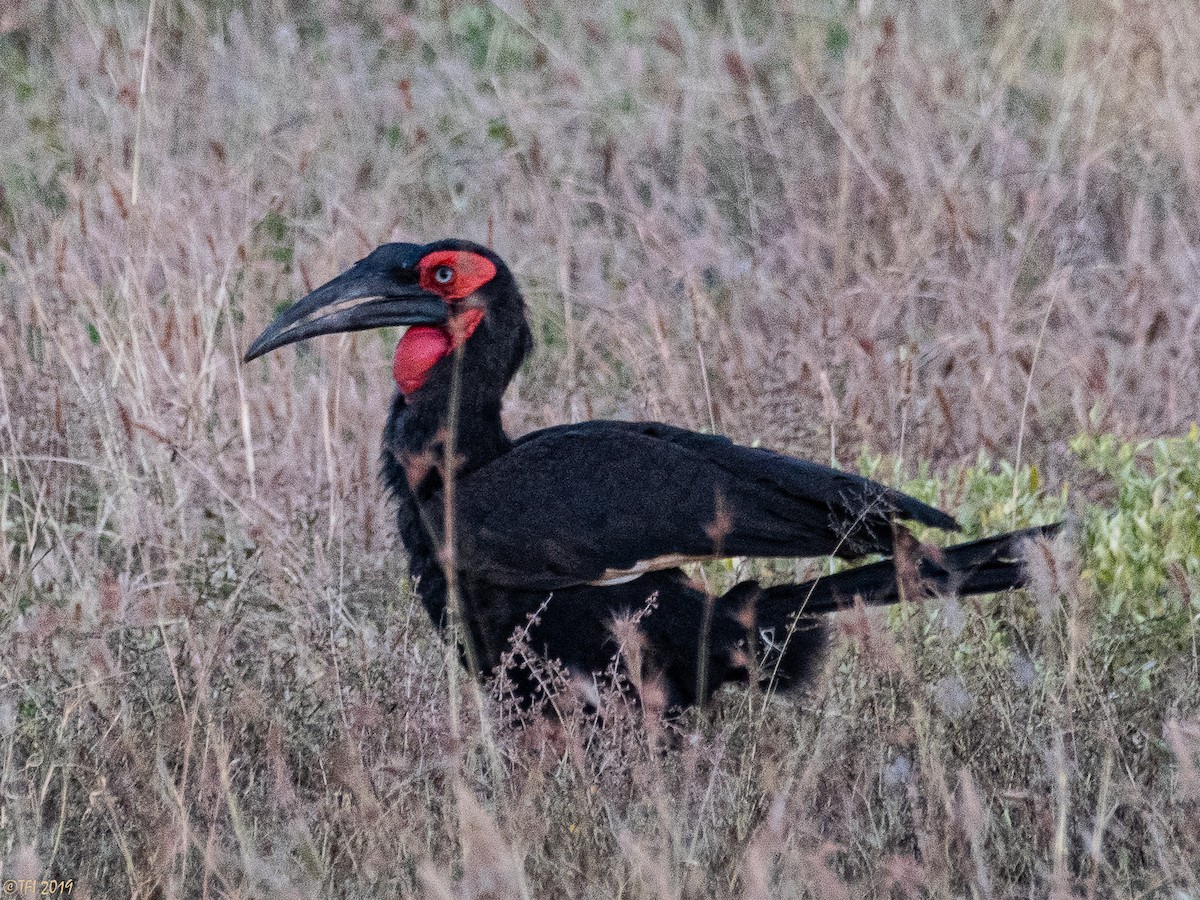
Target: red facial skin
x,y
423,346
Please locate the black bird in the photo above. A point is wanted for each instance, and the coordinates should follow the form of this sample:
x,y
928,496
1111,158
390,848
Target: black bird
x,y
562,531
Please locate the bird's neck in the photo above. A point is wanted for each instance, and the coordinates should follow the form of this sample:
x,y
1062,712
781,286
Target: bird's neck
x,y
422,436
414,462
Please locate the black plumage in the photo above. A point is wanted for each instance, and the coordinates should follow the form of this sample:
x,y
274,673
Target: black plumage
x,y
564,530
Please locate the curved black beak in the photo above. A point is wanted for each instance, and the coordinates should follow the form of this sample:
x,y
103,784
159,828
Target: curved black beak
x,y
358,299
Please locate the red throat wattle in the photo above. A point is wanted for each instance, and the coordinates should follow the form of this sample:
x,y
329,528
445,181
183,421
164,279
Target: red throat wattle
x,y
453,275
423,346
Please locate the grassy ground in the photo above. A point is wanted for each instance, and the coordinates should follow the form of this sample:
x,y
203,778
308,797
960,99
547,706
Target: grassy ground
x,y
892,235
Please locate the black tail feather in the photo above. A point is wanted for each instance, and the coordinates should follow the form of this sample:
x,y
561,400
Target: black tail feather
x,y
788,615
977,567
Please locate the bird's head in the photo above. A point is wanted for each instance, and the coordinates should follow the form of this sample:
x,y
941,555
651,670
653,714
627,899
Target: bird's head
x,y
444,295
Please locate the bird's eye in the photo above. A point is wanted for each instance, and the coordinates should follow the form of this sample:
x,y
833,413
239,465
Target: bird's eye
x,y
443,274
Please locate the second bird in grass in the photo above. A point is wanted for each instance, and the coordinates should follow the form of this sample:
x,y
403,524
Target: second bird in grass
x,y
573,527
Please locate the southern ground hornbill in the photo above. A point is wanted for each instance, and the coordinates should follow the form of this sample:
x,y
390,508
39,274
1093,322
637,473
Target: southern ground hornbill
x,y
561,532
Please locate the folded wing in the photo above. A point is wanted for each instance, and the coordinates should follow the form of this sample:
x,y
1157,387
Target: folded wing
x,y
602,502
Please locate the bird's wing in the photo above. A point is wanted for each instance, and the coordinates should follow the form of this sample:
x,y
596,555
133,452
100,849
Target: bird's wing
x,y
602,502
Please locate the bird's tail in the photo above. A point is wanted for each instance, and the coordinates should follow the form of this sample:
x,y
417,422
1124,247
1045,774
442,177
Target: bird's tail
x,y
977,567
785,615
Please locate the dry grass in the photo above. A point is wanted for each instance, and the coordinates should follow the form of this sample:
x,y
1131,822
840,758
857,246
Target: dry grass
x,y
832,230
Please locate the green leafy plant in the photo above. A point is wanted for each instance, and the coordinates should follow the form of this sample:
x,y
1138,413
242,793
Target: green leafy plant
x,y
1143,549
